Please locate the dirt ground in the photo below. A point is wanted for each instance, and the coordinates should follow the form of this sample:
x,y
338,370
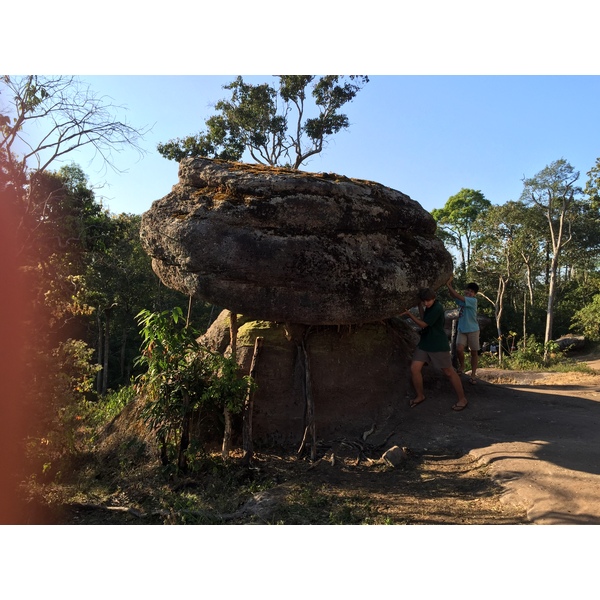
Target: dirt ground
x,y
536,434
522,452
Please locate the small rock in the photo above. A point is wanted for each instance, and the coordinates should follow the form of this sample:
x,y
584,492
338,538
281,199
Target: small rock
x,y
395,456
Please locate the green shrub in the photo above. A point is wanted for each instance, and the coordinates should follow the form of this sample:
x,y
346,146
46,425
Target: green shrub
x,y
587,320
181,377
531,358
111,405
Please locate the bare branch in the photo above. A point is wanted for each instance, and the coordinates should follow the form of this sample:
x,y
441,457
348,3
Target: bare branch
x,y
53,116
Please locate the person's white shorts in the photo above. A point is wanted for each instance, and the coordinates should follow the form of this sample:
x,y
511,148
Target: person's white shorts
x,y
470,339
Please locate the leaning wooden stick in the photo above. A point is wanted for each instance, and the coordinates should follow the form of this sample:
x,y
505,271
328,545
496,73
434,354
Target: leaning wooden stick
x,y
249,407
233,328
310,408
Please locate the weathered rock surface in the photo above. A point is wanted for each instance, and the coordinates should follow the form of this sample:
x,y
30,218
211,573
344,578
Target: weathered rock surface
x,y
395,456
289,246
359,376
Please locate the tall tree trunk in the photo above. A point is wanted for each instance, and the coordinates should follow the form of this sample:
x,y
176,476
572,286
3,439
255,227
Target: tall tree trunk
x,y
550,312
106,352
122,356
249,407
529,282
463,259
498,309
524,320
185,434
99,350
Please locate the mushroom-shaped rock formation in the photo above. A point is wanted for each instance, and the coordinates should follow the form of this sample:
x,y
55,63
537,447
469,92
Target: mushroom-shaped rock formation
x,y
289,246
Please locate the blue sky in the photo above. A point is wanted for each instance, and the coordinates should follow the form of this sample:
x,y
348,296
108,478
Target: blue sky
x,y
427,136
462,94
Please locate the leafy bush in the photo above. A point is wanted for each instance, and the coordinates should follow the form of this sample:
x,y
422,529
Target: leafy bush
x,y
111,405
587,320
182,376
58,394
531,358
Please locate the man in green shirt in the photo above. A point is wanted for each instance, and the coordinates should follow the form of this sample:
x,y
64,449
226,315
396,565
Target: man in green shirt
x,y
433,348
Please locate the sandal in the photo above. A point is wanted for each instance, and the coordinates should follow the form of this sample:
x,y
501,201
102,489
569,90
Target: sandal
x,y
472,381
416,402
459,407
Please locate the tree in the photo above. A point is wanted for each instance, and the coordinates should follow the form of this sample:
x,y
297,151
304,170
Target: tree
x,y
61,227
117,278
42,120
497,255
119,282
272,124
456,222
49,117
554,194
592,186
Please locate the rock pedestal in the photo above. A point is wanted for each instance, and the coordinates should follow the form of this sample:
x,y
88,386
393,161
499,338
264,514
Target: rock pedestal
x,y
359,376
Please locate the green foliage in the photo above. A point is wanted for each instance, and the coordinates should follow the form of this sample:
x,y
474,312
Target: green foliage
x,y
58,395
592,186
64,378
534,356
587,320
86,272
182,377
536,259
74,371
272,124
552,189
456,221
111,405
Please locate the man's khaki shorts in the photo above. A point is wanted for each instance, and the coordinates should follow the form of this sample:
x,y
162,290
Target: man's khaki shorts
x,y
470,339
438,360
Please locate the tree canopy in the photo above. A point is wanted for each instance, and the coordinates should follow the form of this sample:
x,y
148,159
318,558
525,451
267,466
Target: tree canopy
x,y
277,126
456,221
536,259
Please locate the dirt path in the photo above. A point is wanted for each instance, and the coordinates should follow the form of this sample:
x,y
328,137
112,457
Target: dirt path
x,y
536,432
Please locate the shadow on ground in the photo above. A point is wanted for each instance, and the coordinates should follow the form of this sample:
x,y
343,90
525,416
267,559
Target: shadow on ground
x,y
540,438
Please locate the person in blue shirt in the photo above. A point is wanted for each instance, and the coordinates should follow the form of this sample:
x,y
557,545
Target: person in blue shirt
x,y
468,326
